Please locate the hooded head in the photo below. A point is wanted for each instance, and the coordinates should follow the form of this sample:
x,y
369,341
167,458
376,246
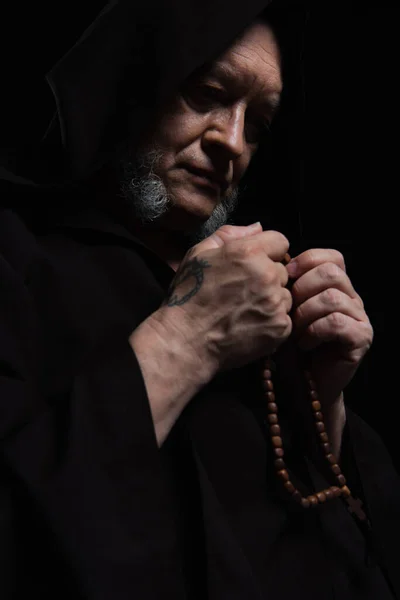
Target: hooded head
x,y
186,171
181,97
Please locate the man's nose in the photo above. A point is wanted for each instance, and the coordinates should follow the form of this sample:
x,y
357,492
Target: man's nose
x,y
226,131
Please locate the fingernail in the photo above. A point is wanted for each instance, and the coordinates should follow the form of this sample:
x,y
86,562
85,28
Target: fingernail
x,y
254,226
292,268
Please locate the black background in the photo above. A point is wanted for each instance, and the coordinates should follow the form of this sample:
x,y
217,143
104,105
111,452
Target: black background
x,y
349,147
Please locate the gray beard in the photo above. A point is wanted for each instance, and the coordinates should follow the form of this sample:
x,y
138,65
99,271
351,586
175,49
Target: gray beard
x,y
149,198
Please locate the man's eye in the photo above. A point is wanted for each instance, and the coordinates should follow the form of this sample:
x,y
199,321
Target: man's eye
x,y
205,97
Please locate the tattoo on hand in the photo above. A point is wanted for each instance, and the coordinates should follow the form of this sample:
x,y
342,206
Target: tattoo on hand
x,y
193,268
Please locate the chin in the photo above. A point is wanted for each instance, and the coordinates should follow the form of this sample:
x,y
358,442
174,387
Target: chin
x,y
194,205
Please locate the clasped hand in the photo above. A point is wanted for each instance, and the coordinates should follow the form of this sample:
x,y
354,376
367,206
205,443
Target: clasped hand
x,y
329,320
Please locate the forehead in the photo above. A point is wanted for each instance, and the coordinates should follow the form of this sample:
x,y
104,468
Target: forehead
x,y
252,62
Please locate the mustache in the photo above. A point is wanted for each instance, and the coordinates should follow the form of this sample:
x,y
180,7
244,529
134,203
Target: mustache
x,y
149,199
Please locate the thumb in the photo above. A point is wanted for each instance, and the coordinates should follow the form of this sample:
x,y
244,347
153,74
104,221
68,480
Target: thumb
x,y
227,233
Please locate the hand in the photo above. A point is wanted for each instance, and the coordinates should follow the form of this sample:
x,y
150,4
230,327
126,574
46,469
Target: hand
x,y
228,300
329,320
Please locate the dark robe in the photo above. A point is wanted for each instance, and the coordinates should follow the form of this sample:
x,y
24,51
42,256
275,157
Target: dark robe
x,y
91,508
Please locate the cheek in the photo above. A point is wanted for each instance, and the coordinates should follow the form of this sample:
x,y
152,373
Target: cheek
x,y
179,128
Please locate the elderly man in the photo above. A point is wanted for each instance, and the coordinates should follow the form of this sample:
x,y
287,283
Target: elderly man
x,y
137,457
206,139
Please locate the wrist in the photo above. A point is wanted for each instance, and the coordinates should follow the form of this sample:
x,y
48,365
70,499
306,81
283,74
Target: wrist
x,y
183,341
172,373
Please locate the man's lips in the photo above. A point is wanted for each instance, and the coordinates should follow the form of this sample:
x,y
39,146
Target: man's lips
x,y
209,177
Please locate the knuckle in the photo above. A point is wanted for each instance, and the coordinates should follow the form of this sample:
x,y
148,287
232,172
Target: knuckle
x,y
248,251
270,274
337,320
330,272
239,250
274,301
312,257
332,297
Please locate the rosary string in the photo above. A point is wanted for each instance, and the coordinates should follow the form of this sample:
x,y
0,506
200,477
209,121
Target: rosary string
x,y
334,491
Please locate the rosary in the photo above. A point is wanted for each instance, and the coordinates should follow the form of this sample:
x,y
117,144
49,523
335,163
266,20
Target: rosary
x,y
341,489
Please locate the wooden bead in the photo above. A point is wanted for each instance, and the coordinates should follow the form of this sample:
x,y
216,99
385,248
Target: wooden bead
x,y
296,496
268,385
289,486
330,458
284,475
276,441
275,431
345,492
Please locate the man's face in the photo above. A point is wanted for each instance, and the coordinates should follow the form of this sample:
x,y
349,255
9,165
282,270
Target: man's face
x,y
204,140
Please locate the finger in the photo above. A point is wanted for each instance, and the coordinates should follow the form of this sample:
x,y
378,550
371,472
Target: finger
x,y
287,300
308,260
282,274
274,243
325,276
329,301
340,328
223,235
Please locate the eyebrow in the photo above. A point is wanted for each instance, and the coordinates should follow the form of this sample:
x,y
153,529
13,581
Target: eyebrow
x,y
226,73
273,103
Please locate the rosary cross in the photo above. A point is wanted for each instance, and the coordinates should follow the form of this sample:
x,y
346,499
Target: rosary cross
x,y
354,505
